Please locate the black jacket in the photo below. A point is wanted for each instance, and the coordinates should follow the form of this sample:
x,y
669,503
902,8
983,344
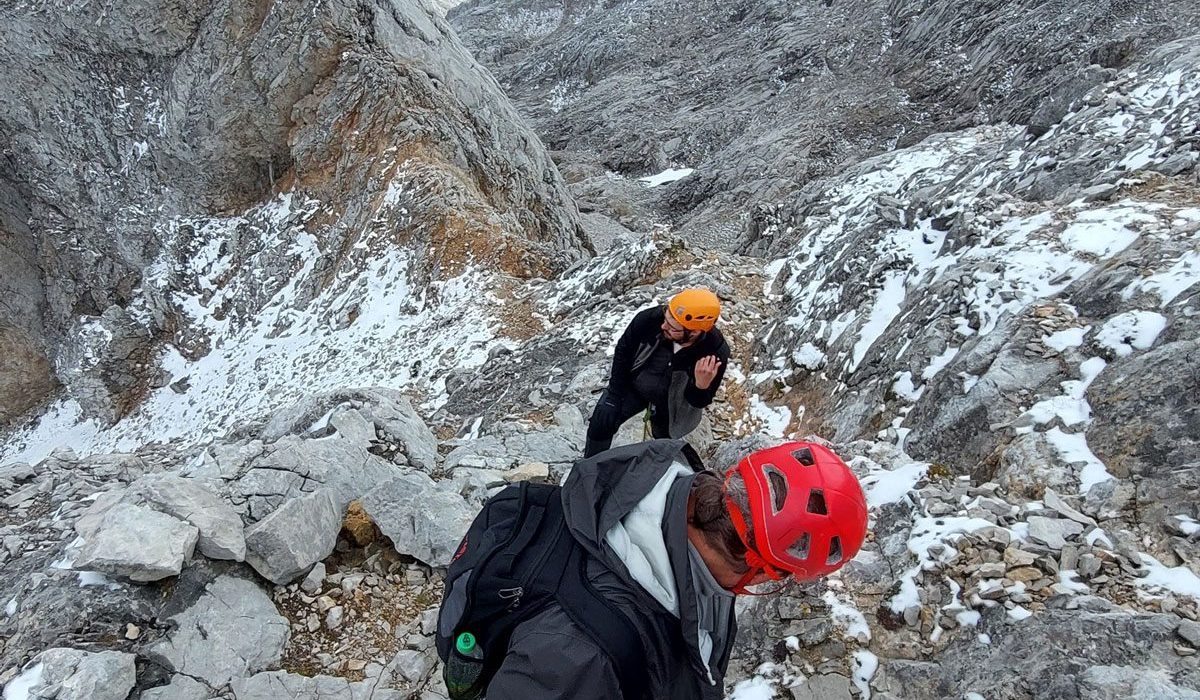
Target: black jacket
x,y
638,342
549,658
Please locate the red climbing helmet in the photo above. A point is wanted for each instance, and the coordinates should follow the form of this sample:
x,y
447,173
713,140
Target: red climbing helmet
x,y
807,510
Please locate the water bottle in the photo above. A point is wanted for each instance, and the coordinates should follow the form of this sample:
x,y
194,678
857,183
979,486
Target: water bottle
x,y
463,668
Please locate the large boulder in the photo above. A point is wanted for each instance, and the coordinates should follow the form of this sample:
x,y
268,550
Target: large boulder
x,y
219,525
280,684
135,542
422,519
295,466
383,416
180,688
73,674
295,536
1124,683
274,684
1146,424
231,631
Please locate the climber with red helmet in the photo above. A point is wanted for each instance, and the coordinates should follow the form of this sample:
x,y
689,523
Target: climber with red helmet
x,y
670,359
628,572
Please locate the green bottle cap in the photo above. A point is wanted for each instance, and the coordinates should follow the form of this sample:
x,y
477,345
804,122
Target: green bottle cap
x,y
465,643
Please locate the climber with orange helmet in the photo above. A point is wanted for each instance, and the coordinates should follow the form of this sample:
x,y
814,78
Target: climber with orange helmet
x,y
670,359
629,571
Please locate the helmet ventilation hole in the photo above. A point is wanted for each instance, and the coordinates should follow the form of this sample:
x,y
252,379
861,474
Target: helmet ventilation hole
x,y
800,547
804,456
777,482
835,550
816,502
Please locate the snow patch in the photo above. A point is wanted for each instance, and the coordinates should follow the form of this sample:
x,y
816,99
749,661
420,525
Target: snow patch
x,y
1131,330
847,617
903,387
884,486
1168,284
20,687
926,532
1071,407
756,688
808,357
864,666
1073,448
1066,577
938,363
1176,579
668,175
1104,232
1066,338
888,303
1187,525
774,419
95,578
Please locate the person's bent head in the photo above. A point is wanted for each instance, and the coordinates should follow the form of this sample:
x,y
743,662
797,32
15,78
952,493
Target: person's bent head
x,y
690,314
794,511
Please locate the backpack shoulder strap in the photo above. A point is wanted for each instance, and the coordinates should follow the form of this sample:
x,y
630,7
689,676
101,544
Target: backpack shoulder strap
x,y
607,625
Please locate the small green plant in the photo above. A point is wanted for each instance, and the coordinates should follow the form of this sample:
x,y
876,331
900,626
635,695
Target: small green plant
x,y
937,470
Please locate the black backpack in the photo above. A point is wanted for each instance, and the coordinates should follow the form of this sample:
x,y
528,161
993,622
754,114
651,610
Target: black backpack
x,y
517,558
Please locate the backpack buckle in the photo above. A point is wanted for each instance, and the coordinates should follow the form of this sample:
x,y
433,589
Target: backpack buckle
x,y
513,595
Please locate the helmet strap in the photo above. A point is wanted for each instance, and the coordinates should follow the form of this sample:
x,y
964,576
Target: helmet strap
x,y
756,563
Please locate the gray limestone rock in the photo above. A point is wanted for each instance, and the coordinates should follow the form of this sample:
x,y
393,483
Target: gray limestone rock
x,y
280,684
1190,631
293,467
421,519
1124,683
180,688
487,452
1053,500
219,524
72,674
135,542
296,535
1052,532
351,425
413,666
1145,420
314,580
826,686
390,415
231,631
1029,464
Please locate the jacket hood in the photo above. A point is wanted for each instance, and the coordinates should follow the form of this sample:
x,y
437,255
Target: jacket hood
x,y
602,490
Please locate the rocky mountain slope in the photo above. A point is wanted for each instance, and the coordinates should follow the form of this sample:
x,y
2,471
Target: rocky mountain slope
x,y
361,130
762,97
266,445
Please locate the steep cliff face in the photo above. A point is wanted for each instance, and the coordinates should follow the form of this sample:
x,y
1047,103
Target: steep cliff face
x,y
762,97
134,133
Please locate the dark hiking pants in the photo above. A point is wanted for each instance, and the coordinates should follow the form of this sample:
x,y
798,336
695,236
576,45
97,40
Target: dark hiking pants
x,y
613,409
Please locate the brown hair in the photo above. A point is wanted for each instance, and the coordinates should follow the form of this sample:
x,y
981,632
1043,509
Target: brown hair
x,y
708,513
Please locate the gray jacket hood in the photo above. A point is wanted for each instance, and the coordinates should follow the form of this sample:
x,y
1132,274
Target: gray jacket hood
x,y
602,490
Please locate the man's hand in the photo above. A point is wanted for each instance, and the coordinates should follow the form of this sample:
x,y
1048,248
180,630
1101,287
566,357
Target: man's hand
x,y
706,371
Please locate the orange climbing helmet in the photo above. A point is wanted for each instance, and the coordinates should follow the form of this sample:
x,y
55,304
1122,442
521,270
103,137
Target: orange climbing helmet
x,y
807,512
695,309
